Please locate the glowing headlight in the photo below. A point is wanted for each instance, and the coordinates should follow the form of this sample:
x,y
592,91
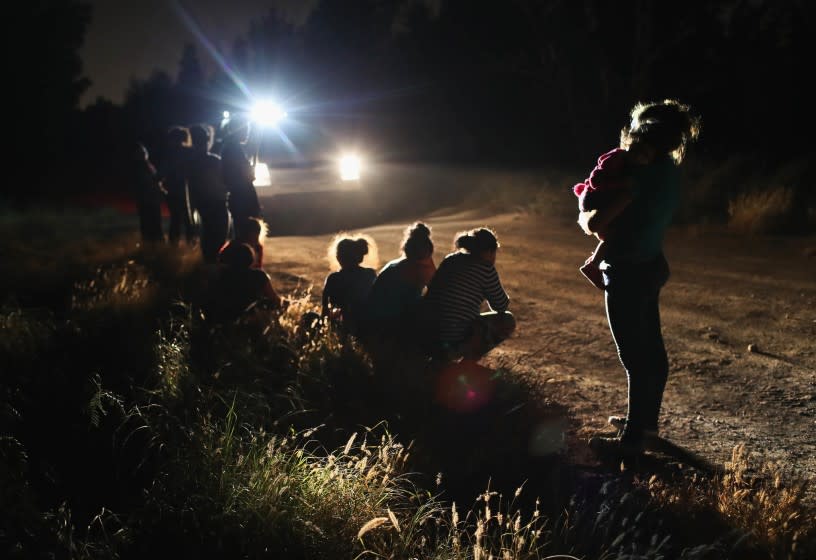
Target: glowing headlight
x,y
262,177
267,113
349,168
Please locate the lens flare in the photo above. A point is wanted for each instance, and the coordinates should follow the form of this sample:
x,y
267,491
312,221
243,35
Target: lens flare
x,y
267,113
350,168
262,176
465,386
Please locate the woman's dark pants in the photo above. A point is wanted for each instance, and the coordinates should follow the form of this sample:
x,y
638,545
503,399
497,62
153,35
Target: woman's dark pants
x,y
633,313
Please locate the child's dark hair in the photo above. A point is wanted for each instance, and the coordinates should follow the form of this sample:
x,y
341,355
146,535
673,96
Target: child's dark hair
x,y
178,136
138,152
250,227
477,241
202,137
351,251
416,243
237,255
668,126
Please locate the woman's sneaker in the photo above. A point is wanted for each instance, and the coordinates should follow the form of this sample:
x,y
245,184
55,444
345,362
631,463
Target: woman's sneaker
x,y
619,423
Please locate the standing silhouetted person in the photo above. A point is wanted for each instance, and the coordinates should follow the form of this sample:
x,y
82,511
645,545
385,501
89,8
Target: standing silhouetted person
x,y
207,193
174,172
146,191
632,221
238,175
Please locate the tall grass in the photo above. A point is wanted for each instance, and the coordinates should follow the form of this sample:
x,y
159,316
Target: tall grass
x,y
761,211
768,502
750,195
547,192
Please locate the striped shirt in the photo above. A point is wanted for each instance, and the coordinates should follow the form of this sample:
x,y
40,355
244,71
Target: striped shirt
x,y
454,298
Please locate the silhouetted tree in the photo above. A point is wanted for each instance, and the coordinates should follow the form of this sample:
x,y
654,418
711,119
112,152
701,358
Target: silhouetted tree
x,y
191,74
190,88
150,108
45,81
100,135
517,81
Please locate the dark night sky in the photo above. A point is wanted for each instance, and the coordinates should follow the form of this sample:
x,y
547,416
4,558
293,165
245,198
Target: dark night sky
x,y
131,38
570,67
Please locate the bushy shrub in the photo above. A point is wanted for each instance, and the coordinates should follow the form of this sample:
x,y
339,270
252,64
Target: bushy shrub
x,y
761,211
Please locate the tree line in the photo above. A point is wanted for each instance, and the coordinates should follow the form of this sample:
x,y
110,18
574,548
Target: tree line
x,y
517,82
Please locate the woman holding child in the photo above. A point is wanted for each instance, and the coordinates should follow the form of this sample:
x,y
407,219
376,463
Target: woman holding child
x,y
641,186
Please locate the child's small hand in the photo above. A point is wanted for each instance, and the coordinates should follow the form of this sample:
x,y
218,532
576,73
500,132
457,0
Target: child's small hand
x,y
583,221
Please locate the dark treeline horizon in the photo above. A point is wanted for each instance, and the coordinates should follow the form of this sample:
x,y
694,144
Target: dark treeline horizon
x,y
521,82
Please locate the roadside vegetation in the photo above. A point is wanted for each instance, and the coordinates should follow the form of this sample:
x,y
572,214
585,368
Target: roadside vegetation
x,y
740,194
132,427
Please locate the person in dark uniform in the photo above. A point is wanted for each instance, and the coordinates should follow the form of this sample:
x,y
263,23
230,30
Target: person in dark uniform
x,y
208,193
238,175
174,181
146,191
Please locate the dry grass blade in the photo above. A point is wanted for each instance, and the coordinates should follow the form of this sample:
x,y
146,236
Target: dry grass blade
x,y
371,525
349,443
393,519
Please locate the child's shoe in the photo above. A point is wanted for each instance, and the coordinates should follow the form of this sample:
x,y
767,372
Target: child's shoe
x,y
593,273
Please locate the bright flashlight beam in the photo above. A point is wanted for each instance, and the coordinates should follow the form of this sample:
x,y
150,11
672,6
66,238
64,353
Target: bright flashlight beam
x,y
267,113
349,168
262,177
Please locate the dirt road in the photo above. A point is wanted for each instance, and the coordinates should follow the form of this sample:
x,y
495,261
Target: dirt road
x,y
726,294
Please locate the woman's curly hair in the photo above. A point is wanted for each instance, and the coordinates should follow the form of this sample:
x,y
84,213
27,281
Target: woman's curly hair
x,y
668,126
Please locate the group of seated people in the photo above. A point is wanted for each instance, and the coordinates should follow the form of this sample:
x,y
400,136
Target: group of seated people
x,y
413,301
410,300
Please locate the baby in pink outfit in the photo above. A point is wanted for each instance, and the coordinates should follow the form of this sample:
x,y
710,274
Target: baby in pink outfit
x,y
609,181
